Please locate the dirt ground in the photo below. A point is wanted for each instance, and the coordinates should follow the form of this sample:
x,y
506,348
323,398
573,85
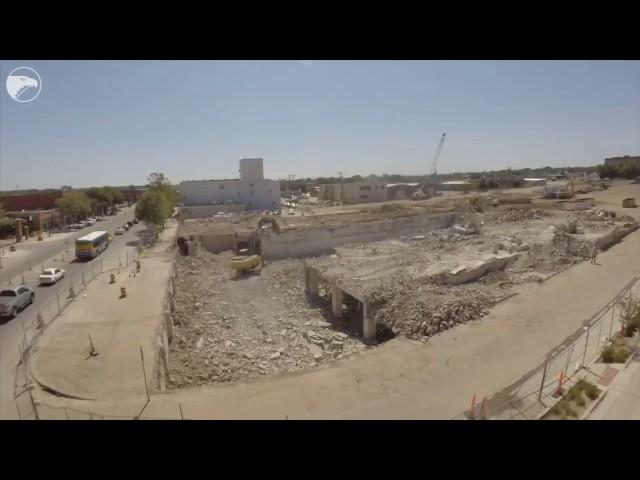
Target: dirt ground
x,y
260,324
263,324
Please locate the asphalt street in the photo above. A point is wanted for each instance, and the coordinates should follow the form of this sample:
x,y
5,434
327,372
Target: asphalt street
x,y
49,254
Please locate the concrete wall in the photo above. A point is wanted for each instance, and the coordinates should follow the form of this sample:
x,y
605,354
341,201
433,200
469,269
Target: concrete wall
x,y
208,211
256,194
618,233
319,240
216,243
473,273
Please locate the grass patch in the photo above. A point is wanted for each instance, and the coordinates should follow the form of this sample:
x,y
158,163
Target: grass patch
x,y
575,399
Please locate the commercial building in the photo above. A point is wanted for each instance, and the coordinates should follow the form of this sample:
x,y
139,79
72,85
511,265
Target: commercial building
x,y
401,191
370,189
251,189
456,186
619,161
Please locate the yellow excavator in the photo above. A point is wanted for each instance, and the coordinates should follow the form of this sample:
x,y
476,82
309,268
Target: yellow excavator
x,y
247,246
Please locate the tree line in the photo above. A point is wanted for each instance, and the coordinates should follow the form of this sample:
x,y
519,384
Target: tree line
x,y
94,201
628,169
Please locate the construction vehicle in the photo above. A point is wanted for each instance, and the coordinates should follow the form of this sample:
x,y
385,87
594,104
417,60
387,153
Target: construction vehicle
x,y
247,246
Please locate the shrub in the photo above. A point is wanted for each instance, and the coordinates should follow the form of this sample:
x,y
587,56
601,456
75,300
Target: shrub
x,y
591,391
608,354
579,399
621,354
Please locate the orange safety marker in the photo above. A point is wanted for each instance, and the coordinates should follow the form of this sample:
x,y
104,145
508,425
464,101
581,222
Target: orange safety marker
x,y
484,408
113,278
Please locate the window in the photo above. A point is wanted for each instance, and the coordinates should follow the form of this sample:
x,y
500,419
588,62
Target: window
x,y
251,192
21,290
269,190
362,189
221,187
364,196
251,184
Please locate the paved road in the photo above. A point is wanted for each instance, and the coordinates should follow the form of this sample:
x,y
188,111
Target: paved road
x,y
11,330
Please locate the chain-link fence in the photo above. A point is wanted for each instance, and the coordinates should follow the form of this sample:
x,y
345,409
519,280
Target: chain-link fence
x,y
532,393
38,317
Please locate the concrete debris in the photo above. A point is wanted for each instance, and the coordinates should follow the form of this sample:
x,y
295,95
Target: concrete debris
x,y
247,329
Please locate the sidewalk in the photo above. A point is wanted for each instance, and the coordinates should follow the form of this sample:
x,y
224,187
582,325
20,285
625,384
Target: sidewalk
x,y
622,401
402,379
118,328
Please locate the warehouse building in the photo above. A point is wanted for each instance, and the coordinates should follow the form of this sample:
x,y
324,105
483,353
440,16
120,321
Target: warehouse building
x,y
251,190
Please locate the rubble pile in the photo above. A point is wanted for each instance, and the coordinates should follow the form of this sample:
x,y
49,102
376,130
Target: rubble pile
x,y
517,215
422,308
231,330
427,315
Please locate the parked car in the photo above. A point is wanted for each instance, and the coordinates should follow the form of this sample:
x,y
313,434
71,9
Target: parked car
x,y
49,276
76,226
130,224
135,220
126,227
90,221
14,300
119,231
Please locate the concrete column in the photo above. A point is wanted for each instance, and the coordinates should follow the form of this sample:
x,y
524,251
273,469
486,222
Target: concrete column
x,y
18,230
368,323
336,301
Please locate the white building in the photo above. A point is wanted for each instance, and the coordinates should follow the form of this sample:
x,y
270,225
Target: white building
x,y
252,189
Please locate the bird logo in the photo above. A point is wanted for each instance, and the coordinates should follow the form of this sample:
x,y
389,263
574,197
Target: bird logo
x,y
24,84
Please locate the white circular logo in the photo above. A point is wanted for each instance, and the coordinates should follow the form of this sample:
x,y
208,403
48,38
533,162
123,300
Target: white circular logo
x,y
24,84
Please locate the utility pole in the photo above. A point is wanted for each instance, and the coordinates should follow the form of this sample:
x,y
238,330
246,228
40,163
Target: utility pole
x,y
341,187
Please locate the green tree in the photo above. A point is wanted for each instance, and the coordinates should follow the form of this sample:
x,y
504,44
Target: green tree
x,y
4,219
152,208
74,204
101,199
159,183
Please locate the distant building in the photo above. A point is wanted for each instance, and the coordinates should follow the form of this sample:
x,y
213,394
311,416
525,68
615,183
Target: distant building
x,y
455,186
39,220
30,201
251,189
370,189
401,191
619,161
535,182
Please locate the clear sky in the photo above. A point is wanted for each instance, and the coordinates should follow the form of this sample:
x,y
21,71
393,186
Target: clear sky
x,y
114,122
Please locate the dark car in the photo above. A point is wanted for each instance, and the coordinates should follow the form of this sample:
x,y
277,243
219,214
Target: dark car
x,y
130,224
135,220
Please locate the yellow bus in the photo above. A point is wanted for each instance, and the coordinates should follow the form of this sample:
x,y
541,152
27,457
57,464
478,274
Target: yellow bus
x,y
92,245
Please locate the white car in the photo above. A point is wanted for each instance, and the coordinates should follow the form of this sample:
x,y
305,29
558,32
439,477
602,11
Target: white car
x,y
49,276
120,231
90,221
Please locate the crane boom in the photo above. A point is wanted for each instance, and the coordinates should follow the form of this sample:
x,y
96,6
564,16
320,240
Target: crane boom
x,y
434,164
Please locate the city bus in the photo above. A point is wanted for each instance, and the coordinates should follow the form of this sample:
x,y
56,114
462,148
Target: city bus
x,y
92,245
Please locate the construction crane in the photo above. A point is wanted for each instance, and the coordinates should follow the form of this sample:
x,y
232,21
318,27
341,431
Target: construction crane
x,y
434,164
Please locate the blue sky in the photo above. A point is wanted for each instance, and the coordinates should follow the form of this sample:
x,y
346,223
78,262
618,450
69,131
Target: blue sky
x,y
113,122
